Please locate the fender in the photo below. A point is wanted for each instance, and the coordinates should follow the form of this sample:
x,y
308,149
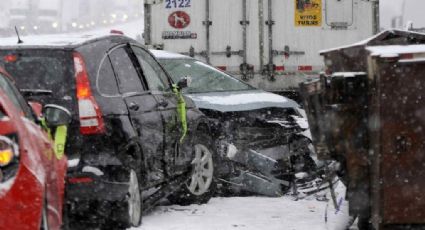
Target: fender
x,y
133,149
196,120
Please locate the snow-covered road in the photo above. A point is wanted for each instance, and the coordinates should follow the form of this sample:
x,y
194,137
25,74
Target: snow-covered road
x,y
247,213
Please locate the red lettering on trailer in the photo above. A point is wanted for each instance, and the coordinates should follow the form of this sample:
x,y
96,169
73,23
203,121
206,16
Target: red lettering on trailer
x,y
179,19
305,68
279,68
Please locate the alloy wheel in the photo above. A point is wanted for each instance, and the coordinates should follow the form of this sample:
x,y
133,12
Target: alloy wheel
x,y
202,174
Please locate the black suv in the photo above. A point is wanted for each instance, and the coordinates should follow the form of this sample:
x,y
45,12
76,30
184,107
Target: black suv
x,y
127,134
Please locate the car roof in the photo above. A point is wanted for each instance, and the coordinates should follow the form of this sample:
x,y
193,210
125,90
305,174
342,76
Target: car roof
x,y
162,54
55,40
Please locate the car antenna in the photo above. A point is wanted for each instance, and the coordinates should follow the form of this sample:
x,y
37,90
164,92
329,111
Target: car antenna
x,y
19,38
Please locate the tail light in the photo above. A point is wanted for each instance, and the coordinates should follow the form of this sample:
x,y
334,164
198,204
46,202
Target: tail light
x,y
91,119
9,158
10,58
305,68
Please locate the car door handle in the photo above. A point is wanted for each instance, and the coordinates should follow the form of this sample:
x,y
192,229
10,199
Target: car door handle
x,y
133,106
162,103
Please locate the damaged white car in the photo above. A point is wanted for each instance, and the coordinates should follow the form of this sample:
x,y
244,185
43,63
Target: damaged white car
x,y
262,138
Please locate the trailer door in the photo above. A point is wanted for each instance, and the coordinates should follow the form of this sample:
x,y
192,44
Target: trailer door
x,y
226,34
178,26
293,40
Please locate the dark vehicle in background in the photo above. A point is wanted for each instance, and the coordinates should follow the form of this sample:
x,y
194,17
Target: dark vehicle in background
x,y
125,134
32,174
261,137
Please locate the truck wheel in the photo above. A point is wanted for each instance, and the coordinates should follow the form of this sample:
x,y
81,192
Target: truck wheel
x,y
128,213
201,185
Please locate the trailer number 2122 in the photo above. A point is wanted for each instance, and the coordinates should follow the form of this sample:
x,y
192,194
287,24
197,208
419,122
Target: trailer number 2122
x,y
177,4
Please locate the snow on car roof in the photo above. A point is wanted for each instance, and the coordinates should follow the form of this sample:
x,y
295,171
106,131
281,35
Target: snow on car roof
x,y
394,50
55,40
162,54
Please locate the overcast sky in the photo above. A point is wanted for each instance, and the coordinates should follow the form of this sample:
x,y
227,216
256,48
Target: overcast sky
x,y
415,11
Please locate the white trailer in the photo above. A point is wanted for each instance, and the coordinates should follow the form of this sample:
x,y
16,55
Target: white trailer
x,y
271,44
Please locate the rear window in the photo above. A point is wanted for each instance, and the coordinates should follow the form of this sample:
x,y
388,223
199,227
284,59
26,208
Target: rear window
x,y
41,70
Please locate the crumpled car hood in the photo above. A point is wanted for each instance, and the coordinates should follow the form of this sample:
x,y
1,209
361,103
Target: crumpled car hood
x,y
240,100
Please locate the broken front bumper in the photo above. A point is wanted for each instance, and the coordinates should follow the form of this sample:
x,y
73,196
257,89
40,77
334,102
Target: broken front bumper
x,y
266,173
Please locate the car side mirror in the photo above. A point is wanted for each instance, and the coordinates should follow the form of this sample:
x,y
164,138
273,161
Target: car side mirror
x,y
36,107
184,82
56,115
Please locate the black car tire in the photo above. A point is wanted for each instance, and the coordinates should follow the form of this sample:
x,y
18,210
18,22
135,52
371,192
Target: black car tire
x,y
201,185
128,213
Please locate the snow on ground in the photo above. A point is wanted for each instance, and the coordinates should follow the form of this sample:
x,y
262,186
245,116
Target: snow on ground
x,y
254,213
245,213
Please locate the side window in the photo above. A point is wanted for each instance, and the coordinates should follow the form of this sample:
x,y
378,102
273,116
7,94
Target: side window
x,y
14,96
127,77
154,74
106,81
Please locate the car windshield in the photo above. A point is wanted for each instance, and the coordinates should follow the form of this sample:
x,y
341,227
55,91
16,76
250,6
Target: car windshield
x,y
205,78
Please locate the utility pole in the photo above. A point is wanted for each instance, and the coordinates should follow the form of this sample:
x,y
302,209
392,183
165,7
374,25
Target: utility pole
x,y
402,16
376,24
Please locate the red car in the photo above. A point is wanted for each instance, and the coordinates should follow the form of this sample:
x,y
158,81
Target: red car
x,y
31,174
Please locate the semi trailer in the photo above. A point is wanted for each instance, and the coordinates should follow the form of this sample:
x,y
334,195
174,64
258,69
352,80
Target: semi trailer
x,y
271,44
